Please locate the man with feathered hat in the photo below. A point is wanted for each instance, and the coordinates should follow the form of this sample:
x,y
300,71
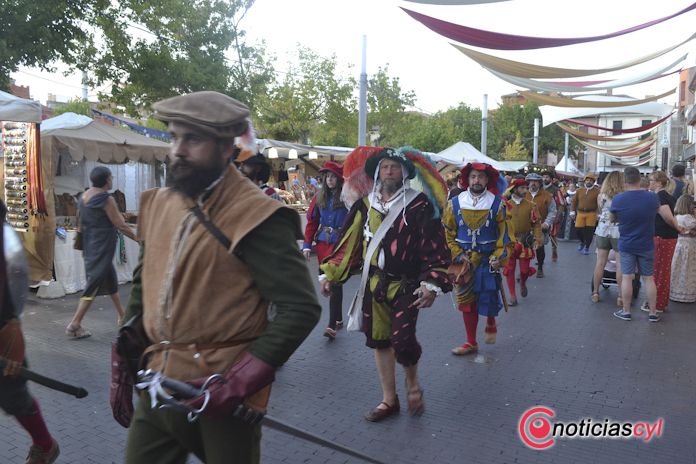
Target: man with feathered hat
x,y
325,218
477,234
584,211
396,232
547,212
525,227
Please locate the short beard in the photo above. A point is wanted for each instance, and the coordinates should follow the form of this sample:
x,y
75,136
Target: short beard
x,y
477,189
534,190
192,180
391,186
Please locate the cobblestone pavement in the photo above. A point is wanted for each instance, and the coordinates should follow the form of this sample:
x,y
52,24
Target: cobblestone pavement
x,y
555,349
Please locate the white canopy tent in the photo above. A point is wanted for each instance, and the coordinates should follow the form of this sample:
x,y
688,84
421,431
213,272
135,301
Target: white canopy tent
x,y
462,153
278,149
566,167
18,109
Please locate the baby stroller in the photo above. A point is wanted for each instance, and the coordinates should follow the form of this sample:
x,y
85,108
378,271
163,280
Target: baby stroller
x,y
609,276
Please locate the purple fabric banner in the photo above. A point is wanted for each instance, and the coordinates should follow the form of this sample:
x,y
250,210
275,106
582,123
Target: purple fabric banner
x,y
500,41
622,131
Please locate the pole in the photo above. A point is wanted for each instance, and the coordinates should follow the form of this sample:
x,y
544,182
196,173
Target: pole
x,y
484,125
565,152
535,159
84,85
362,117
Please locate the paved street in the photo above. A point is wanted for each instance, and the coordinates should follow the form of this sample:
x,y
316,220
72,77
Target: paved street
x,y
556,349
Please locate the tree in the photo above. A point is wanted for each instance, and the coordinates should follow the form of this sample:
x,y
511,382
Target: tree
x,y
41,33
508,120
515,151
76,106
312,104
386,104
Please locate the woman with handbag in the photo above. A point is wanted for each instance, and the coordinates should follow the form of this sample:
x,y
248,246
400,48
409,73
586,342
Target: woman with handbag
x,y
99,222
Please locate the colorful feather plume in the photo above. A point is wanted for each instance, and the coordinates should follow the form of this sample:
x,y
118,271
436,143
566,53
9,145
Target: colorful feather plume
x,y
428,180
357,183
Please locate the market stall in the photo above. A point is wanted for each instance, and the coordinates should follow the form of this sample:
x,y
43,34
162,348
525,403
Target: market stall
x,y
71,146
23,173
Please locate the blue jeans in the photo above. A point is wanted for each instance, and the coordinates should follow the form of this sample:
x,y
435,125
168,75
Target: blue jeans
x,y
643,262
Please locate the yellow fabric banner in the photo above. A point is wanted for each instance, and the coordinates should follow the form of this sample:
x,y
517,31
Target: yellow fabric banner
x,y
519,69
566,102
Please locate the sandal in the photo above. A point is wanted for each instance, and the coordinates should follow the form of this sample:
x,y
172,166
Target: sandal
x,y
330,333
415,407
595,297
77,333
377,414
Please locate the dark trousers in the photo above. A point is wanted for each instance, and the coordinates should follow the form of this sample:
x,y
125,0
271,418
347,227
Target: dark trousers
x,y
541,256
585,235
335,305
166,437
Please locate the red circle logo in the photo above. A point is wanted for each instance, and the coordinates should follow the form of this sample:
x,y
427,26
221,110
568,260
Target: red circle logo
x,y
535,427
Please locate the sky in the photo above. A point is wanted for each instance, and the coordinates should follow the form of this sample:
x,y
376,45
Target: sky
x,y
426,63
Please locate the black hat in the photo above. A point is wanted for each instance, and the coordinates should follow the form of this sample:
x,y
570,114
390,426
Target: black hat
x,y
389,153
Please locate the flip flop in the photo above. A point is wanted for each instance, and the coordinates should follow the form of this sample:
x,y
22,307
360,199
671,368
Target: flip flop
x,y
77,334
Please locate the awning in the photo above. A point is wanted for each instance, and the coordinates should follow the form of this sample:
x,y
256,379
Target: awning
x,y
17,109
513,166
99,142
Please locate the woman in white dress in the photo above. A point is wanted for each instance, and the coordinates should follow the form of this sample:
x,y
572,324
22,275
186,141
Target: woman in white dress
x,y
683,280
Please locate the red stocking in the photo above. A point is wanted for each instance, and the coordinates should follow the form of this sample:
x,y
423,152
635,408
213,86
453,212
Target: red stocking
x,y
509,273
525,270
35,425
470,323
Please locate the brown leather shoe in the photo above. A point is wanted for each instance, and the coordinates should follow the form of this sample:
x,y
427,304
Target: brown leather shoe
x,y
377,414
523,289
37,456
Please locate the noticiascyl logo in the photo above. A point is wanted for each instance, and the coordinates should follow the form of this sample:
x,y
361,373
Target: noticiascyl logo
x,y
535,427
539,431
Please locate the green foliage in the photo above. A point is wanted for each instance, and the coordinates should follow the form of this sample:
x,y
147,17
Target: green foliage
x,y
75,105
153,123
313,103
505,123
40,33
386,104
445,128
516,150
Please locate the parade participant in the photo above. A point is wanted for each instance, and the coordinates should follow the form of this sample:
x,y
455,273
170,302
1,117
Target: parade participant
x,y
325,218
396,232
15,398
584,211
547,212
551,186
204,307
525,226
477,235
683,277
258,170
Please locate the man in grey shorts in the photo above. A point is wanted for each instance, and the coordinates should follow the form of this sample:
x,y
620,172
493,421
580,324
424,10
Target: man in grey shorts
x,y
634,210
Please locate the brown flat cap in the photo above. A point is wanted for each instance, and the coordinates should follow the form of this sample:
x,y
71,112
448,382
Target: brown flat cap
x,y
211,112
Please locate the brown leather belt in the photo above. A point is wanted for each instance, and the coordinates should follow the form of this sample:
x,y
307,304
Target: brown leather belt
x,y
194,348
